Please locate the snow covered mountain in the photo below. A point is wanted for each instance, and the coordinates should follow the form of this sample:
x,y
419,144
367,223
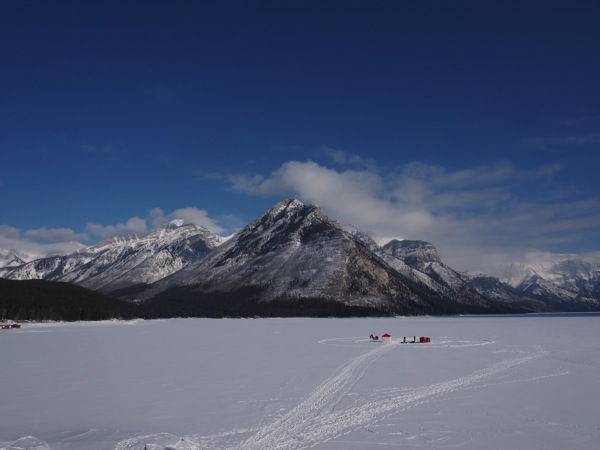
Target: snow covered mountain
x,y
420,262
295,251
494,289
574,275
123,261
422,257
10,259
560,284
563,284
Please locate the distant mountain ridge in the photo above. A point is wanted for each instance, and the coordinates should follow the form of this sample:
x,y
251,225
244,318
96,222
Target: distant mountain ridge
x,y
573,275
293,254
122,261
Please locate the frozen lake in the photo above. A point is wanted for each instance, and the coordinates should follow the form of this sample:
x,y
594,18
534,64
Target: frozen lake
x,y
526,382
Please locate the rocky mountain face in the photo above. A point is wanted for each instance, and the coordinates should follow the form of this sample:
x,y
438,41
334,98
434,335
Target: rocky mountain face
x,y
294,253
123,261
494,289
423,258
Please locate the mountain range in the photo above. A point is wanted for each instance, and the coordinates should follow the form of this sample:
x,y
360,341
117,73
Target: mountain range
x,y
295,258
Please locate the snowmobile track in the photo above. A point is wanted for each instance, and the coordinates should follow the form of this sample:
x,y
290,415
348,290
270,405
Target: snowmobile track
x,y
328,412
318,419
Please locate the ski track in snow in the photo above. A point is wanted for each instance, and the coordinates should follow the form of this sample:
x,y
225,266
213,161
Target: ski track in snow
x,y
329,412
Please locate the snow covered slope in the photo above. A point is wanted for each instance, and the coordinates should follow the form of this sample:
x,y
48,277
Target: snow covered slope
x,y
295,251
561,280
423,258
124,261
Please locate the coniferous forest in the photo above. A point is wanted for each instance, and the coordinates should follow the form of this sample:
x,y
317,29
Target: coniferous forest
x,y
39,300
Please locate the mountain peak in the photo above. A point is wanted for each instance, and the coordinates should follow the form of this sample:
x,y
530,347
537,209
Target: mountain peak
x,y
122,261
290,211
285,207
414,253
12,258
175,223
295,251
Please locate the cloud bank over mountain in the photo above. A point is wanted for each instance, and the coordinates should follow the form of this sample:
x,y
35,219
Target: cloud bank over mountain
x,y
479,217
61,241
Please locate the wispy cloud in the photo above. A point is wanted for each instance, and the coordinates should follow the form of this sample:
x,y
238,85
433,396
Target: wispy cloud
x,y
103,156
549,142
343,158
113,148
581,121
55,234
160,93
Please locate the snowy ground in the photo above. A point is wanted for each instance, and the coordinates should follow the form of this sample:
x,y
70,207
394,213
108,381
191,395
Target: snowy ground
x,y
483,382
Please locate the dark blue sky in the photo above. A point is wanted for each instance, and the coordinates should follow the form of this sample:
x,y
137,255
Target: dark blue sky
x,y
469,124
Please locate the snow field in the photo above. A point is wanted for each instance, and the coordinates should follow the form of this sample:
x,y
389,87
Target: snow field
x,y
483,382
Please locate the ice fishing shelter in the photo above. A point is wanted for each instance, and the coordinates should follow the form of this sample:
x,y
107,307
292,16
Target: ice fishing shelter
x,y
10,324
386,337
424,339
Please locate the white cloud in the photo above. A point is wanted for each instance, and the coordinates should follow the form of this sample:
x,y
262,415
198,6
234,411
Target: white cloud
x,y
11,238
134,225
55,234
478,217
155,219
348,159
192,215
8,232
